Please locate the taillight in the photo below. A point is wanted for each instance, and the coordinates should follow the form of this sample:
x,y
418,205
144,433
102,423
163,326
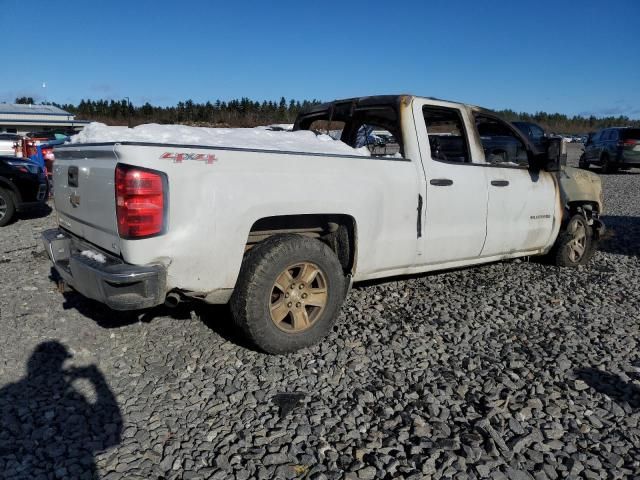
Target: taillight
x,y
47,154
629,143
140,202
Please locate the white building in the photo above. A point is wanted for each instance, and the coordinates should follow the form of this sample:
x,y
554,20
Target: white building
x,y
21,119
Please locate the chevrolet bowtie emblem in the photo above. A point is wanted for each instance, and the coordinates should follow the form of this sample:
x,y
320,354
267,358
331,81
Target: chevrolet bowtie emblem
x,y
74,200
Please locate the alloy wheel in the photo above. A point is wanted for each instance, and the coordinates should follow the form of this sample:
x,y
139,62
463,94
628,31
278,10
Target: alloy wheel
x,y
3,207
578,244
298,297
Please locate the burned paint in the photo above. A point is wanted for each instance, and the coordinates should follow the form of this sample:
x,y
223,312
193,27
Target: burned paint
x,y
578,185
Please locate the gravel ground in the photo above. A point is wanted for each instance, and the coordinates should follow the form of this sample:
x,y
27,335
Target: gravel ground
x,y
513,370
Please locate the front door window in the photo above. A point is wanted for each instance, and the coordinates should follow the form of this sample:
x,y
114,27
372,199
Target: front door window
x,y
501,145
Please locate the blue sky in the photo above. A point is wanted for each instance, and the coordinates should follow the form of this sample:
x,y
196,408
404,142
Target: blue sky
x,y
570,57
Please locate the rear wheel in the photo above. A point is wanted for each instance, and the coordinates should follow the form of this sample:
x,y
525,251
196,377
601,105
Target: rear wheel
x,y
582,163
607,165
289,293
575,245
7,207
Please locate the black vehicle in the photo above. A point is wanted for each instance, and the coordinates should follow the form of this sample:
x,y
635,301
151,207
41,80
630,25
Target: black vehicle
x,y
499,143
534,132
23,185
612,148
10,136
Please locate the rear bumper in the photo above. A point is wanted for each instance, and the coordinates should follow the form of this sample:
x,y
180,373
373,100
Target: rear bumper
x,y
629,160
41,199
118,285
31,198
24,206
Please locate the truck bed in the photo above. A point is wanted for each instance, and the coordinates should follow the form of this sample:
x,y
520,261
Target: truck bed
x,y
215,195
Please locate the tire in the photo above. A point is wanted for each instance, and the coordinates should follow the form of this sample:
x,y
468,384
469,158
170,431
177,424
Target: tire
x,y
564,252
7,207
582,163
607,166
269,300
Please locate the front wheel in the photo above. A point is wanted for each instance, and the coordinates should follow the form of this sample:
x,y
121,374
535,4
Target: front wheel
x,y
289,293
582,163
7,207
575,245
607,165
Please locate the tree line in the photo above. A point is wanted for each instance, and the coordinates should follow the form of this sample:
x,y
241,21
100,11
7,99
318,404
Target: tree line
x,y
576,124
242,112
245,112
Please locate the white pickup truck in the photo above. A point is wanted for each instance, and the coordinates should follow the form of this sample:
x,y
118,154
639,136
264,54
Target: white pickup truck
x,y
281,235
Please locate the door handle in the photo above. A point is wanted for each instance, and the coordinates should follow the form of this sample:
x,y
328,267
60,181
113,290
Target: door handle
x,y
499,183
441,182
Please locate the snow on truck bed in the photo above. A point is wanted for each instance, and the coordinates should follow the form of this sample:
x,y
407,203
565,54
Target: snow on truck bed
x,y
254,138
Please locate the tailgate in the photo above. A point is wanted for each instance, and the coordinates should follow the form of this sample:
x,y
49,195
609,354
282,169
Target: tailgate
x,y
84,193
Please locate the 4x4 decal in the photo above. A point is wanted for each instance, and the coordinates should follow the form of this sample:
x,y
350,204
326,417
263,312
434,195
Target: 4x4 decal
x,y
181,157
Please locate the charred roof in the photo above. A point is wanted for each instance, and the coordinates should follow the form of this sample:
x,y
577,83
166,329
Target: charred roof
x,y
371,101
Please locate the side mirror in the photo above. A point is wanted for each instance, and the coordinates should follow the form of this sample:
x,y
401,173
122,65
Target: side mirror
x,y
556,155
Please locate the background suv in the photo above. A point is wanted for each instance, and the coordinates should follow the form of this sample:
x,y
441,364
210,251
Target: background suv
x,y
612,148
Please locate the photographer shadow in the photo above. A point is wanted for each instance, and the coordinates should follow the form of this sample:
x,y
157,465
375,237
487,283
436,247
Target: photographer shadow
x,y
49,428
611,385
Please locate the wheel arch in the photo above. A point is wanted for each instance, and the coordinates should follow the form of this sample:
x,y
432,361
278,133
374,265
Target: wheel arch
x,y
338,231
591,211
8,185
575,206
